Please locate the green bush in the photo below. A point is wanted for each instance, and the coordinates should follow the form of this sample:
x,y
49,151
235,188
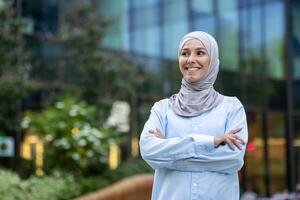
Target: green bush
x,y
63,186
51,187
73,141
11,187
57,186
14,67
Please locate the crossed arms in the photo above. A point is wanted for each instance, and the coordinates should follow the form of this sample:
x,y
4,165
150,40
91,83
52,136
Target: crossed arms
x,y
195,152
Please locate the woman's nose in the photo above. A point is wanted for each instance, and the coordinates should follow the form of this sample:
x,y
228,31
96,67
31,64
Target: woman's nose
x,y
192,58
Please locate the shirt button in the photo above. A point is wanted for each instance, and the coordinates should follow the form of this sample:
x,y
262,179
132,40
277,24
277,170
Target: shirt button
x,y
195,184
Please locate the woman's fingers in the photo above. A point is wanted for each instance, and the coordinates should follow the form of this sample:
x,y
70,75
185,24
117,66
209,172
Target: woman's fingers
x,y
237,144
157,130
240,139
157,133
234,131
229,143
233,141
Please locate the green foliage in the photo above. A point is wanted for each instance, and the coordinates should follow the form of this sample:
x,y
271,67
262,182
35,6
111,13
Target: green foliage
x,y
11,41
61,186
57,186
100,75
13,67
97,76
10,187
72,137
60,119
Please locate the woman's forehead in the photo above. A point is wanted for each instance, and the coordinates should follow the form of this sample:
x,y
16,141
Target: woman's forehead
x,y
193,43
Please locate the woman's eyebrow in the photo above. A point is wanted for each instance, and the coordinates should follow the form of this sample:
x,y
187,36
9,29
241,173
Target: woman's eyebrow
x,y
201,48
185,49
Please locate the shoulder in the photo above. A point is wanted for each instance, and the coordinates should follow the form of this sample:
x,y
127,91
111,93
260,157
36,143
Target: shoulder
x,y
161,105
233,102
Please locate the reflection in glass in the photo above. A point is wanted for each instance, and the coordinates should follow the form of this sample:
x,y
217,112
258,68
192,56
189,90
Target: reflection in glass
x,y
44,14
114,10
149,47
172,33
203,17
228,40
295,44
277,152
137,41
145,17
205,7
138,4
254,42
274,39
207,24
113,39
174,11
254,159
296,146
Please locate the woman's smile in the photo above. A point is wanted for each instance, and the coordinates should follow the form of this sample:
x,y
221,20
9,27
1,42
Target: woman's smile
x,y
191,68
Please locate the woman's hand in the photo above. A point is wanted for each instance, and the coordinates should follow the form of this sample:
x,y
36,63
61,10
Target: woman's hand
x,y
157,133
231,139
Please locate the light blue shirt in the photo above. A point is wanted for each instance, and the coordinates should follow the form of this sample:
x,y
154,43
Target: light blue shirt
x,y
186,163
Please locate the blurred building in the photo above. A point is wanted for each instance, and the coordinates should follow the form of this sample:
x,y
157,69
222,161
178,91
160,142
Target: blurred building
x,y
259,42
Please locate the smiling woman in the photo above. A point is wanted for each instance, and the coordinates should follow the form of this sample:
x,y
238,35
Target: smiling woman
x,y
195,140
193,60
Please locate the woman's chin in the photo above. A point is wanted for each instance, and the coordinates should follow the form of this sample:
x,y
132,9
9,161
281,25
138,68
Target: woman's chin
x,y
191,79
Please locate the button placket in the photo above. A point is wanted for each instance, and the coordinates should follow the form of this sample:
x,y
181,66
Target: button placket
x,y
195,186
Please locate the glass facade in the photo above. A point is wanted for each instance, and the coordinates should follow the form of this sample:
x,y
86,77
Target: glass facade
x,y
115,12
295,65
251,37
43,13
254,177
259,42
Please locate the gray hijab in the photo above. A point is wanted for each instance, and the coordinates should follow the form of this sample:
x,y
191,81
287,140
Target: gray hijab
x,y
195,98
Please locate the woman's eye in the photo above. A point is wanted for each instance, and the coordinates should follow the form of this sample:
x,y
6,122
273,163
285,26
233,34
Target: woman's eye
x,y
184,53
200,53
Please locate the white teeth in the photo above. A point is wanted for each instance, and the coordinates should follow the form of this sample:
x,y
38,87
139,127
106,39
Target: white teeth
x,y
192,68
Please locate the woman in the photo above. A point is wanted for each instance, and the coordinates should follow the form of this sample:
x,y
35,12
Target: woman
x,y
195,140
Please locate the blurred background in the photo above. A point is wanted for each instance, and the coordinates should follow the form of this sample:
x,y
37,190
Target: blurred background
x,y
78,79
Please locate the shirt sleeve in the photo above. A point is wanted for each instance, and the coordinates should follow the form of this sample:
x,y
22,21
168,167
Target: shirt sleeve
x,y
221,159
162,153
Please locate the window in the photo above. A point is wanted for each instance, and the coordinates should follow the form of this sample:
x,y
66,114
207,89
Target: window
x,y
174,11
274,39
228,40
172,34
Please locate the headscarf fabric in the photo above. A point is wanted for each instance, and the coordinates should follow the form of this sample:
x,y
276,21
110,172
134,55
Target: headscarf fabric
x,y
195,98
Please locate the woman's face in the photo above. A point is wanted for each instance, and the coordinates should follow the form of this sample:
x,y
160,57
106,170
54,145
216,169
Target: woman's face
x,y
193,60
